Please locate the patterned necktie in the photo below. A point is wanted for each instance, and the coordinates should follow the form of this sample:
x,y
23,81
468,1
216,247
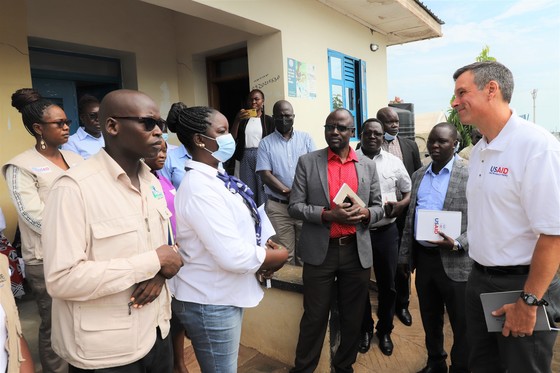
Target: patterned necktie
x,y
234,185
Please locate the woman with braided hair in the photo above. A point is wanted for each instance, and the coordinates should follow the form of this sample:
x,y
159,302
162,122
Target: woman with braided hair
x,y
29,176
218,232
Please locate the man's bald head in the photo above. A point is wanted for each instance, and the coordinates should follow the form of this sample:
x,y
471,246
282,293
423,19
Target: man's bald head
x,y
123,102
280,105
122,116
390,119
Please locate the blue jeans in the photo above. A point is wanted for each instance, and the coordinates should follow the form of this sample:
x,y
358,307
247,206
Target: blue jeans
x,y
215,332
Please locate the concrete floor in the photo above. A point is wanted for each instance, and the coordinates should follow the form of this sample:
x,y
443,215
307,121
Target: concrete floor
x,y
409,353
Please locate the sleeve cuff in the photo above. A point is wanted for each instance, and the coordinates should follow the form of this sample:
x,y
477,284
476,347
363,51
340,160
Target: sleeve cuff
x,y
145,266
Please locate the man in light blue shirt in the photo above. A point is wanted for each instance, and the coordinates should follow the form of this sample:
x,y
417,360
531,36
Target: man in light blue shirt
x,y
174,168
442,267
277,159
87,140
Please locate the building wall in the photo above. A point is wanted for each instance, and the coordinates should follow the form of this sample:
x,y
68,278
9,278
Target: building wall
x,y
14,74
308,30
163,52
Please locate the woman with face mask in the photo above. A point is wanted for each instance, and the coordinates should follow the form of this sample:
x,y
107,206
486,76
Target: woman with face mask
x,y
218,233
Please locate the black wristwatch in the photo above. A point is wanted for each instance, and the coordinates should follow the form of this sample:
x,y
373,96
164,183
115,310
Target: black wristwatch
x,y
532,300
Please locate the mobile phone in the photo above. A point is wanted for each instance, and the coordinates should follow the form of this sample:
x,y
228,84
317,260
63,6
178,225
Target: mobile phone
x,y
388,209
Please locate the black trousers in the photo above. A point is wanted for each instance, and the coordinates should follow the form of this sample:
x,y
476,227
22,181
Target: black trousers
x,y
342,269
437,293
402,275
494,353
384,241
158,360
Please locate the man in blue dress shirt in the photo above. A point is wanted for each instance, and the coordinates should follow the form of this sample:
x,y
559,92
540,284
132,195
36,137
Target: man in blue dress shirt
x,y
277,159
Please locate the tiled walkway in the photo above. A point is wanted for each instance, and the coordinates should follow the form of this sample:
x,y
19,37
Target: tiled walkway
x,y
409,354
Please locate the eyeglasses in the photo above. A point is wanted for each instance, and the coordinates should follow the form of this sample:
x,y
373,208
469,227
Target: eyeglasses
x,y
338,127
60,123
148,122
93,116
367,134
287,116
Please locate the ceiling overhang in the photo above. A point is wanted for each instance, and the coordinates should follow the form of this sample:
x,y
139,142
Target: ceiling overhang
x,y
400,21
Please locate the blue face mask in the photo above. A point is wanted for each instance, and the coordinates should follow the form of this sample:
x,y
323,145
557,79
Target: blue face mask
x,y
165,136
226,147
390,137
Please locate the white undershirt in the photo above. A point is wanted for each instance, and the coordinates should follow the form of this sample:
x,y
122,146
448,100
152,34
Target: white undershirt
x,y
253,133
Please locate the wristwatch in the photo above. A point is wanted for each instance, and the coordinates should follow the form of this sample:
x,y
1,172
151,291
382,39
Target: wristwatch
x,y
532,300
456,246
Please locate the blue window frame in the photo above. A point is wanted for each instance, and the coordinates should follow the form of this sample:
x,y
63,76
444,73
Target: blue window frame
x,y
347,86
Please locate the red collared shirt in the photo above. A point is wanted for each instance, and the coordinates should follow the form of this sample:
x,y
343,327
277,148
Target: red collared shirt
x,y
338,173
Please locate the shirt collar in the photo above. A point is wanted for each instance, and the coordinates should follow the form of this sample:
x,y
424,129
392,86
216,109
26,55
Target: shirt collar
x,y
183,153
201,167
381,155
82,134
448,166
282,136
352,156
115,170
501,141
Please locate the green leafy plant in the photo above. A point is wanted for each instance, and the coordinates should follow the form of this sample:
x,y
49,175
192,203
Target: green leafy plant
x,y
453,117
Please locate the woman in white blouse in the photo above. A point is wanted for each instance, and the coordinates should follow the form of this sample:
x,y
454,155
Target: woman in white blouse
x,y
218,233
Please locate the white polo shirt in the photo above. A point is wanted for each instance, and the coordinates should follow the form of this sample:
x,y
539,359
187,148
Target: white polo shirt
x,y
513,193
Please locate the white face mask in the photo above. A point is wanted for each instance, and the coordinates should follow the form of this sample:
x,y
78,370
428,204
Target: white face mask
x,y
226,147
390,137
165,136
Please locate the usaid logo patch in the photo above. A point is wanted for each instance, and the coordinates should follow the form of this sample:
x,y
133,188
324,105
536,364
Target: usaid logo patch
x,y
438,227
498,170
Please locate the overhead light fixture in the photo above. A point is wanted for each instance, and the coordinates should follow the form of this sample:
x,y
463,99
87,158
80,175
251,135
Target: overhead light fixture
x,y
373,47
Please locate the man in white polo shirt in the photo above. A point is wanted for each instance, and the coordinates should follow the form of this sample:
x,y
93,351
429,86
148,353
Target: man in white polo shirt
x,y
513,197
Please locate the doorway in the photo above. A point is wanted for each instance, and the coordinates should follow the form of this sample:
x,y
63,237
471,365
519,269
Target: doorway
x,y
64,77
228,82
228,86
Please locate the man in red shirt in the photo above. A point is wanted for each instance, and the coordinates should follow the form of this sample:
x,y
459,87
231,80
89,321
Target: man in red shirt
x,y
335,242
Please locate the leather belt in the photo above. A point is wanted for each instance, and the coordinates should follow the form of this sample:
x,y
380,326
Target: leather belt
x,y
284,202
343,241
503,271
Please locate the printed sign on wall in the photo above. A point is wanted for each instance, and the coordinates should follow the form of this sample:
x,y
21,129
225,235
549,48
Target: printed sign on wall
x,y
301,80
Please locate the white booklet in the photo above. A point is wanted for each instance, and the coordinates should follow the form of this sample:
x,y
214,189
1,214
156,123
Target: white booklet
x,y
267,230
494,301
430,222
346,191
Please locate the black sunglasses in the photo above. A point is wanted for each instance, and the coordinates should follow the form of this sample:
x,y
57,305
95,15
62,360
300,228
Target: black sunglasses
x,y
341,129
60,123
93,116
149,122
